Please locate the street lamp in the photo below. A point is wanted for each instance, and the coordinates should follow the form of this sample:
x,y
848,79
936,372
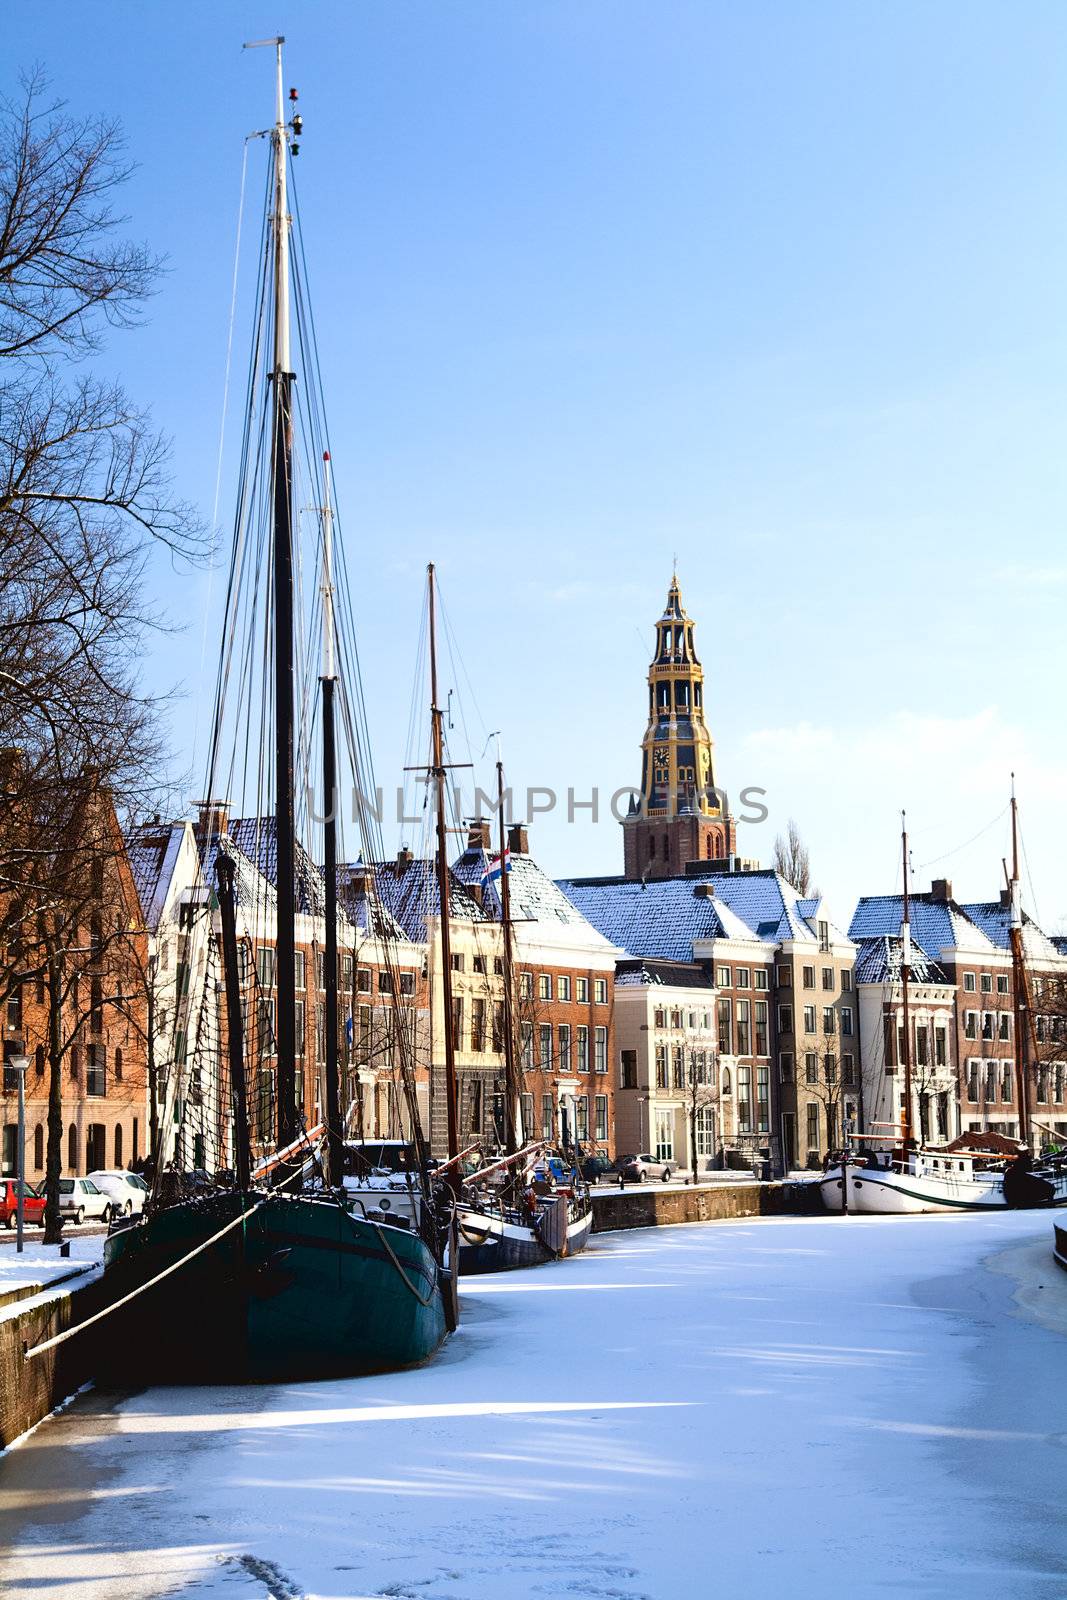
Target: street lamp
x,y
19,1064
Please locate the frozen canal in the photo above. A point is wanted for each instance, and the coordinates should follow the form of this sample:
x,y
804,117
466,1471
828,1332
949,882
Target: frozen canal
x,y
782,1408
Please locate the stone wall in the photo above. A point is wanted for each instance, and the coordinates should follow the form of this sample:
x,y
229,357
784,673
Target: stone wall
x,y
29,1390
643,1206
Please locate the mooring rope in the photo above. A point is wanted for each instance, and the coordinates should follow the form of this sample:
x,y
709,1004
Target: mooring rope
x,y
98,1316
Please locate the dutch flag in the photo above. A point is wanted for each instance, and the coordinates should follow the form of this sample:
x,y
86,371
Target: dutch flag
x,y
494,866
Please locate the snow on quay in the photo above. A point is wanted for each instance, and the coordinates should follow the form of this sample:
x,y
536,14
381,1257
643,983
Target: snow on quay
x,y
786,1407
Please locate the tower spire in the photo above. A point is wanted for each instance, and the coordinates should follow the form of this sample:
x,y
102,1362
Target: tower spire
x,y
682,815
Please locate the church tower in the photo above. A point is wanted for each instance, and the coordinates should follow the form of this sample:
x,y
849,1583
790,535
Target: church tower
x,y
682,816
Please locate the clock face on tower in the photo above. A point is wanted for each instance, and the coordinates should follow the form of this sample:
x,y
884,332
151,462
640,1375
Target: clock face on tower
x,y
659,754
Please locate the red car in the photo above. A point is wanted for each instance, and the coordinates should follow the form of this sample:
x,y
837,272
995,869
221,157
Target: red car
x,y
32,1204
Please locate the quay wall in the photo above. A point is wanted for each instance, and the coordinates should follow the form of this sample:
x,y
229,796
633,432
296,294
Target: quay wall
x,y
650,1206
29,1390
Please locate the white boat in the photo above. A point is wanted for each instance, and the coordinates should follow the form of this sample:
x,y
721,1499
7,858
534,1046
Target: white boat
x,y
498,1239
931,1180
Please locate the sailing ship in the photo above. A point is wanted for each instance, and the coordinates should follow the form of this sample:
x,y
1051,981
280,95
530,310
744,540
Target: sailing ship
x,y
275,1276
980,1172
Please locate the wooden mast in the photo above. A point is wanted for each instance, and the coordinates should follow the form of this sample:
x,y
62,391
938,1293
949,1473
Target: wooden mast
x,y
437,772
905,975
512,1078
1019,986
334,1129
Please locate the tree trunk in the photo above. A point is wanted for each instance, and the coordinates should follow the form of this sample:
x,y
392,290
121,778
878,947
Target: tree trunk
x,y
53,1223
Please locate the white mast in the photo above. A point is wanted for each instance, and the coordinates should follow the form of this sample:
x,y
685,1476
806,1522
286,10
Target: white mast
x,y
280,220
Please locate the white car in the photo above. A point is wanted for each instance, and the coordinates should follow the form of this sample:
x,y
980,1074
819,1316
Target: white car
x,y
80,1198
126,1190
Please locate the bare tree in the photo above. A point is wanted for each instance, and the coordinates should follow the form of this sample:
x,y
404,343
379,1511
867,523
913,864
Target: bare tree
x,y
791,859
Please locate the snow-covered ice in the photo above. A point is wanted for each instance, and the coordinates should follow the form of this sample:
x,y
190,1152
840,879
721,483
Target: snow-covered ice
x,y
41,1264
783,1407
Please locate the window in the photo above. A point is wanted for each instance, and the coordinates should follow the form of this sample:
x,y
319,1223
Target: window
x,y
38,1147
563,988
848,1070
600,991
363,980
601,1110
763,1099
407,983
785,1066
763,1047
829,1019
991,1080
846,1019
581,1118
809,977
1005,1025
828,978
664,1136
725,1019
676,1019
661,1066
264,968
564,1047
95,1071
813,1129
628,1069
298,970
498,1025
346,973
744,1039
457,1024
581,991
546,1116
761,977
987,983
526,986
385,982
660,1017
785,1019
14,1009
581,1040
544,987
846,980
809,1019
526,1030
811,1067
830,1068
456,962
1006,1084
784,976
544,1055
299,1013
969,982
38,1061
987,1024
744,1099
479,965
705,1131
478,1025
1002,983
722,977
970,1023
526,1104
678,1068
940,1047
118,1145
744,978
824,936
320,1046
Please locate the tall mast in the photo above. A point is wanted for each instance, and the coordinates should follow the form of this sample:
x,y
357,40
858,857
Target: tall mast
x,y
282,563
1018,977
437,772
334,1131
512,1079
905,975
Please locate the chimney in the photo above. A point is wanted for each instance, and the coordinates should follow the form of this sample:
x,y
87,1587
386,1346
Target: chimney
x,y
476,893
941,889
479,834
213,817
404,858
518,839
1005,897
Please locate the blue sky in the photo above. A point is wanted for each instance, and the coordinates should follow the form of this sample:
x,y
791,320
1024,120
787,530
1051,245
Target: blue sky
x,y
778,288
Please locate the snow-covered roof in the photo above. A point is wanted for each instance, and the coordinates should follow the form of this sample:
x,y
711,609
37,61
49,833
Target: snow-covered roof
x,y
408,890
879,961
539,907
152,852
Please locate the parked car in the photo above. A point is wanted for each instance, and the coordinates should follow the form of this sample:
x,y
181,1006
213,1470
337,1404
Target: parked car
x,y
635,1169
32,1203
80,1198
126,1190
594,1167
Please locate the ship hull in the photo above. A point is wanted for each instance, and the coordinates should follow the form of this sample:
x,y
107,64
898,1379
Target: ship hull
x,y
299,1289
888,1193
489,1242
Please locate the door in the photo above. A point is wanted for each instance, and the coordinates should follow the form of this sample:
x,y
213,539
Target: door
x,y
10,1152
664,1150
96,1147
